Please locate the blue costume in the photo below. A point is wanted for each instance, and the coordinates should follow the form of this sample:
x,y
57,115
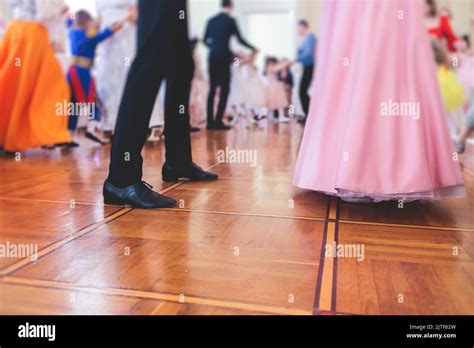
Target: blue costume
x,y
81,82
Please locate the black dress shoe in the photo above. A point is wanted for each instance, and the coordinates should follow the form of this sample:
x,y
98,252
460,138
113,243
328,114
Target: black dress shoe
x,y
68,145
94,138
210,126
221,126
194,129
191,172
139,195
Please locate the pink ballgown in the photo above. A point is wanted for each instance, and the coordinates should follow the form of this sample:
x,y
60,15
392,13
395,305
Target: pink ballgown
x,y
372,54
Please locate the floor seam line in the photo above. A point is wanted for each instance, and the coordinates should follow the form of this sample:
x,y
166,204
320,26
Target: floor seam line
x,y
146,294
319,277
344,221
25,262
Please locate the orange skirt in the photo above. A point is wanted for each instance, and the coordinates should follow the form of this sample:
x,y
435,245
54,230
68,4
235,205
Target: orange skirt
x,y
33,90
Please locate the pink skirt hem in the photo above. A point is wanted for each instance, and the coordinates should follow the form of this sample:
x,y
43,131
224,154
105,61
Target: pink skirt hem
x,y
456,191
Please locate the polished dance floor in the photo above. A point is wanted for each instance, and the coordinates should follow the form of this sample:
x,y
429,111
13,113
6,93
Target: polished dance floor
x,y
250,243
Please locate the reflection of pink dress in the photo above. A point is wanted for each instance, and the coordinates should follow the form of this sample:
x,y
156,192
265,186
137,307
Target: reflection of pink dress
x,y
368,56
275,92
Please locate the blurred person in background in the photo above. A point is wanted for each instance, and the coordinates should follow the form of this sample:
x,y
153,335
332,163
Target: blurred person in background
x,y
33,89
115,56
286,77
199,90
439,26
219,31
452,90
84,37
276,96
306,57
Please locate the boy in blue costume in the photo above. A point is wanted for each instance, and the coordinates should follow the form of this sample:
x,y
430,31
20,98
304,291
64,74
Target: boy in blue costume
x,y
84,38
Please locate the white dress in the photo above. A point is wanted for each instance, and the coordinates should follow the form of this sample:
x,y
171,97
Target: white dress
x,y
45,12
48,13
114,58
254,89
237,83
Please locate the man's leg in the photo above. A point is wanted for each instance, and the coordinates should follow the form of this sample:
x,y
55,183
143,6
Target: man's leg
x,y
179,74
177,128
163,53
224,77
212,93
124,185
305,83
137,103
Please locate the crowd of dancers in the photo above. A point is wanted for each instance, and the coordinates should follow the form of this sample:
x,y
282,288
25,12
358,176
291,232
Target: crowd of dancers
x,y
232,88
455,61
43,102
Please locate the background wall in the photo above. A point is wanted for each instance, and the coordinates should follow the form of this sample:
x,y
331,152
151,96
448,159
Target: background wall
x,y
75,5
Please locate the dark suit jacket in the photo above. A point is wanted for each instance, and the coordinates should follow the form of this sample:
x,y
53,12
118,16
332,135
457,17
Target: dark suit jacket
x,y
219,30
166,13
165,23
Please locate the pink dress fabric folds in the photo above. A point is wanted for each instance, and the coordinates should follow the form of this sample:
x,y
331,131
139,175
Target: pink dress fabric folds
x,y
376,126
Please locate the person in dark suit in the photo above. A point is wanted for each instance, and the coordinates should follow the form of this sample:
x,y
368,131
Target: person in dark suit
x,y
219,30
163,52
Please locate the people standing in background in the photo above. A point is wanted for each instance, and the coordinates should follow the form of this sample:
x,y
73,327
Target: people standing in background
x,y
236,100
452,91
163,53
84,37
254,90
466,69
465,73
468,126
277,100
219,31
33,89
439,26
58,38
295,101
306,57
199,90
286,77
115,55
